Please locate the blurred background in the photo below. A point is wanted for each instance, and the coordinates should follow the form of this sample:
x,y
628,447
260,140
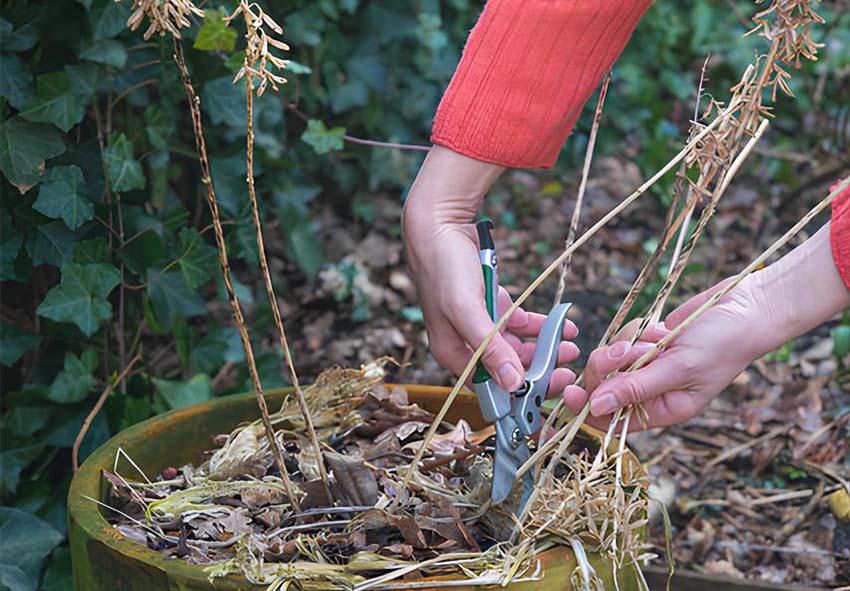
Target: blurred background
x,y
107,249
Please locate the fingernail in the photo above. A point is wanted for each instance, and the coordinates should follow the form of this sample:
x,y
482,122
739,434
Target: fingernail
x,y
603,405
618,350
643,348
509,377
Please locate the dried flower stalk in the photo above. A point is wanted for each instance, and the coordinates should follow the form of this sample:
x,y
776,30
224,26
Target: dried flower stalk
x,y
164,16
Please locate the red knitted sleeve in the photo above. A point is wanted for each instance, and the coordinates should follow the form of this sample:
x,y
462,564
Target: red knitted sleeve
x,y
527,70
839,233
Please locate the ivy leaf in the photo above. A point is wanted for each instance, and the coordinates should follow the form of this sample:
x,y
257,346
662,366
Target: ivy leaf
x,y
170,297
53,244
55,102
108,52
75,381
297,68
224,101
59,196
215,34
24,146
25,541
26,420
108,19
85,78
159,126
321,138
13,459
21,39
10,245
182,394
15,80
125,172
305,249
14,342
81,296
197,260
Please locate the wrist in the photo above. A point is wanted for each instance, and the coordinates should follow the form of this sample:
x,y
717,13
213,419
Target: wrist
x,y
797,293
449,189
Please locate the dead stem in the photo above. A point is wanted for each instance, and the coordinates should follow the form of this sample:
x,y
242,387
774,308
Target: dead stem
x,y
264,267
582,189
206,179
75,450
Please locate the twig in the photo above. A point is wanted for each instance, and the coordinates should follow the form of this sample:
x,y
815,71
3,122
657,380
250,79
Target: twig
x,y
75,450
206,179
359,140
582,189
278,321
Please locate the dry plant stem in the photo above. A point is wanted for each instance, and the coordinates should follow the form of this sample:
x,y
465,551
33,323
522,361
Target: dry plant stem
x,y
582,189
682,259
264,266
206,179
537,282
75,450
755,264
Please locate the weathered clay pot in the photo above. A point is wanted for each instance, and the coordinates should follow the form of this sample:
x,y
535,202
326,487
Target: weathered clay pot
x,y
103,560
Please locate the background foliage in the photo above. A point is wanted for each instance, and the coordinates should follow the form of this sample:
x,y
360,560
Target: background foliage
x,y
106,245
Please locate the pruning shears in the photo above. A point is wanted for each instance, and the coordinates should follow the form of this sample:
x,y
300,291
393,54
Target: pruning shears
x,y
516,415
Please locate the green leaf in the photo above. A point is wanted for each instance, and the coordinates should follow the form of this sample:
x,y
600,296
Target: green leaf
x,y
14,342
215,34
25,541
170,297
224,101
59,196
81,296
24,146
55,102
108,52
15,80
25,420
53,244
182,394
14,579
321,138
21,39
125,172
75,381
85,78
297,68
159,126
95,250
198,259
12,462
10,246
841,341
108,19
59,576
305,248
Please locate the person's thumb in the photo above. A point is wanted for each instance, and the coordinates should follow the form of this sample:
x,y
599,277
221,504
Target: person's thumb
x,y
657,378
500,359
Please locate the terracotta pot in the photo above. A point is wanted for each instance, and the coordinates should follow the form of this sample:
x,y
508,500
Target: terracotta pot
x,y
103,560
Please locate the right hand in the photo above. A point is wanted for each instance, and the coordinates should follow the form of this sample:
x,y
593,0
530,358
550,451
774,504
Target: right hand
x,y
442,248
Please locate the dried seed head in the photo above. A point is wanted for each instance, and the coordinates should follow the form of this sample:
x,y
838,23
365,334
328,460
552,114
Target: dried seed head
x,y
164,16
258,50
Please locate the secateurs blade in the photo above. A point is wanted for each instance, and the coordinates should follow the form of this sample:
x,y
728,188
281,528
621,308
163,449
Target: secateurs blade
x,y
516,415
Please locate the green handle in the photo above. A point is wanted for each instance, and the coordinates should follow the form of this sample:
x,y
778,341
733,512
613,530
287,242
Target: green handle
x,y
481,375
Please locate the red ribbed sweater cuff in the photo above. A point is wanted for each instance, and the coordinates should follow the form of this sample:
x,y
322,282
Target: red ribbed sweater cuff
x,y
839,233
527,69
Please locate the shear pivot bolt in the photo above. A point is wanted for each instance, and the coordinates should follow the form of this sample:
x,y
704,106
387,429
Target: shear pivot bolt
x,y
516,437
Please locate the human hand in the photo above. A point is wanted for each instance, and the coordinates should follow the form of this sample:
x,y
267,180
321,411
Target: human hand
x,y
442,248
682,379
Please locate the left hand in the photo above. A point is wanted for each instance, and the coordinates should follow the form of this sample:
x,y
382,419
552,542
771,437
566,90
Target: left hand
x,y
680,380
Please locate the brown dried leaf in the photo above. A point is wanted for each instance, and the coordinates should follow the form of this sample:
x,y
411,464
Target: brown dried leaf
x,y
357,482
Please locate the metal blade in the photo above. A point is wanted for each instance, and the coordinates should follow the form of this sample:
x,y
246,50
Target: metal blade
x,y
511,453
